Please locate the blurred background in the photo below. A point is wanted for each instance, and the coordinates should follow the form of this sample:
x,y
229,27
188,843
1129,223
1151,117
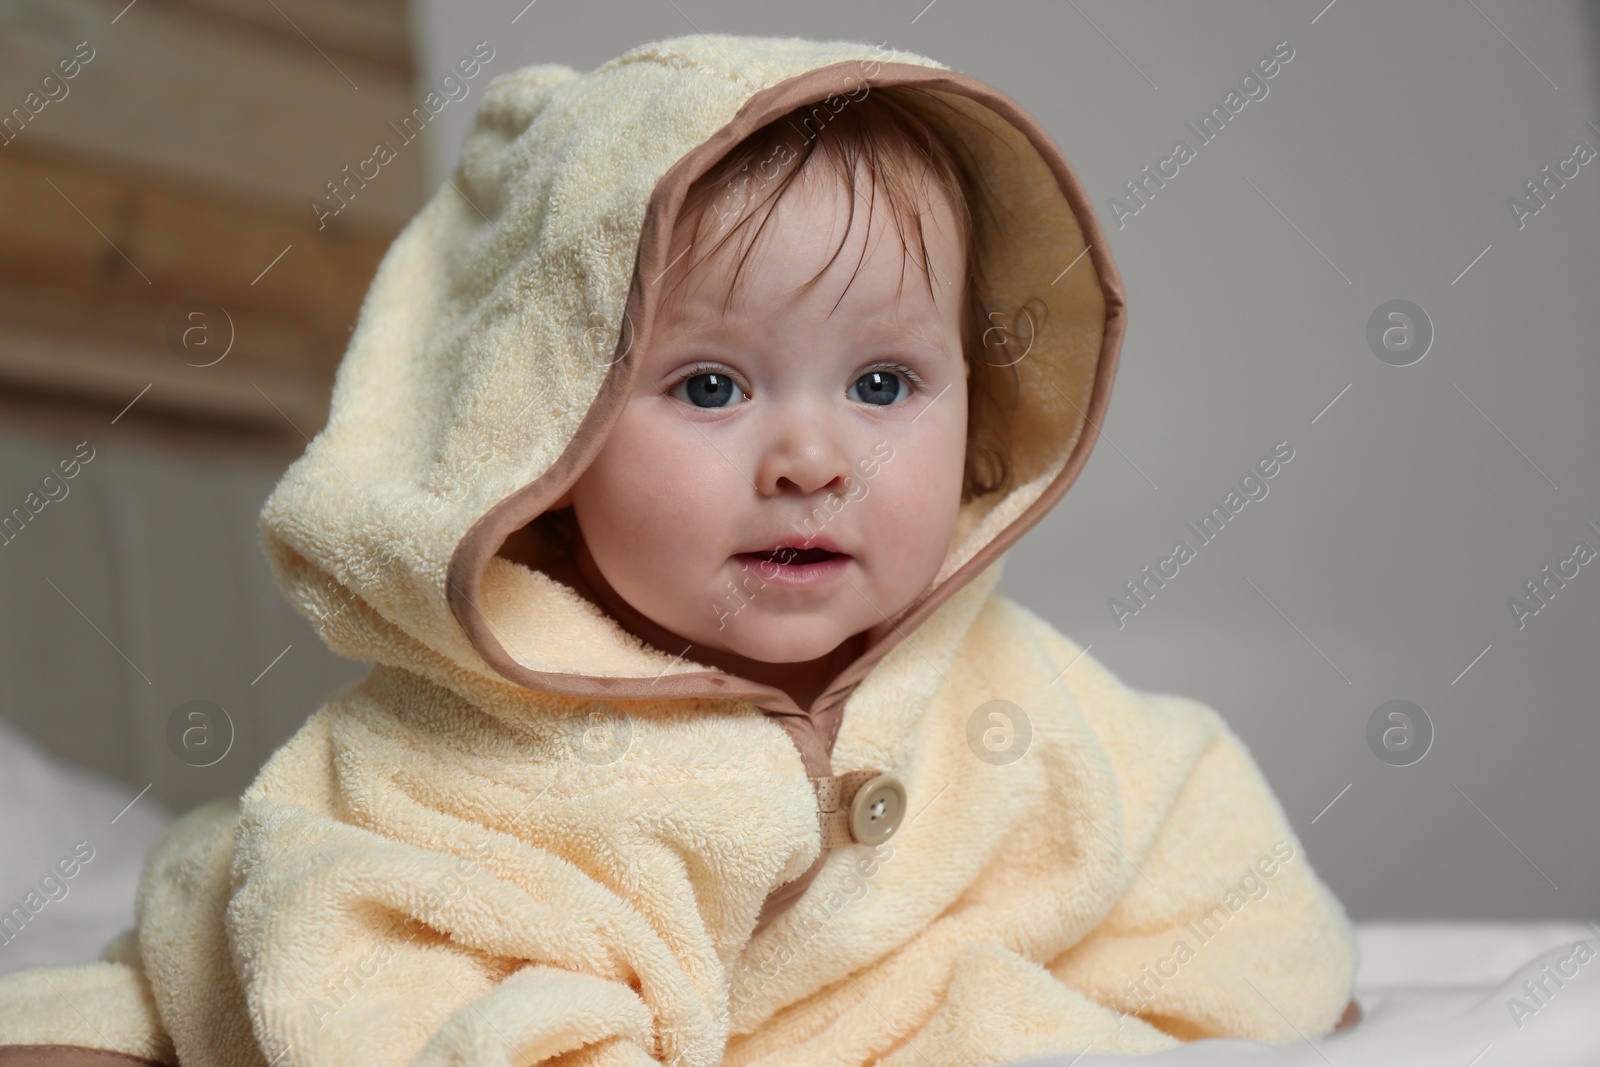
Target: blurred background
x,y
183,252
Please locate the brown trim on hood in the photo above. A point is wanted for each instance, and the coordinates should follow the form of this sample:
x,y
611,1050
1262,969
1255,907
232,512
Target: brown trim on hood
x,y
813,729
484,539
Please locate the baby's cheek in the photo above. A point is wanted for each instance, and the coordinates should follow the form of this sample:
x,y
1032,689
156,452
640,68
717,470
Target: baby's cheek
x,y
925,474
909,516
650,469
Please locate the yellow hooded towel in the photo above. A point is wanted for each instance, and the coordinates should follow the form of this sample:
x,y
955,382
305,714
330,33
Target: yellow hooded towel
x,y
528,837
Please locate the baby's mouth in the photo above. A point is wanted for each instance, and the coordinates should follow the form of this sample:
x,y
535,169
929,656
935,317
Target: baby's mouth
x,y
815,562
792,557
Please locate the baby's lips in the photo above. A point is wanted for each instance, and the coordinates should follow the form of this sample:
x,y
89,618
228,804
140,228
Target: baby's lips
x,y
794,556
791,557
778,544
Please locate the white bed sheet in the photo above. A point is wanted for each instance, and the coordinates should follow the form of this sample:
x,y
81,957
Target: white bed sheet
x,y
46,808
1434,994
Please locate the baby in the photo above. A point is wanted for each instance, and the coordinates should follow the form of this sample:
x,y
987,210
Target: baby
x,y
666,485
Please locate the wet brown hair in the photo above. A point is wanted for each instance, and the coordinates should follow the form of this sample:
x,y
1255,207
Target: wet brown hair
x,y
894,139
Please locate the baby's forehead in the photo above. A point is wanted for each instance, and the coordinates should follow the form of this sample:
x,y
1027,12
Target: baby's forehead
x,y
874,324
879,297
808,243
823,184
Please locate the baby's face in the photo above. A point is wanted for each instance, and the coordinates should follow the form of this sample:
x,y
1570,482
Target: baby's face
x,y
787,474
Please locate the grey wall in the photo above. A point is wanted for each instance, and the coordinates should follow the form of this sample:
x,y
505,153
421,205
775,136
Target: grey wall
x,y
142,589
1380,564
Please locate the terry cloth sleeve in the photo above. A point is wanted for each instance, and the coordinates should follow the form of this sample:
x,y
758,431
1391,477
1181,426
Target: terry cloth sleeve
x,y
92,1011
1223,929
361,949
383,919
100,1013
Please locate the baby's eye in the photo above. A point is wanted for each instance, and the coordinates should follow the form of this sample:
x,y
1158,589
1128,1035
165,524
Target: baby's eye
x,y
881,387
707,389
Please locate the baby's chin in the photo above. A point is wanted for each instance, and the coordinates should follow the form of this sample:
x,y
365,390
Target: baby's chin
x,y
778,639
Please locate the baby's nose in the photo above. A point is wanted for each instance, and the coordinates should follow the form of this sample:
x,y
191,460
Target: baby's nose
x,y
808,459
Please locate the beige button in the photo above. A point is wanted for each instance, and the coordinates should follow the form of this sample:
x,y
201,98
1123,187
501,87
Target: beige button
x,y
877,809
